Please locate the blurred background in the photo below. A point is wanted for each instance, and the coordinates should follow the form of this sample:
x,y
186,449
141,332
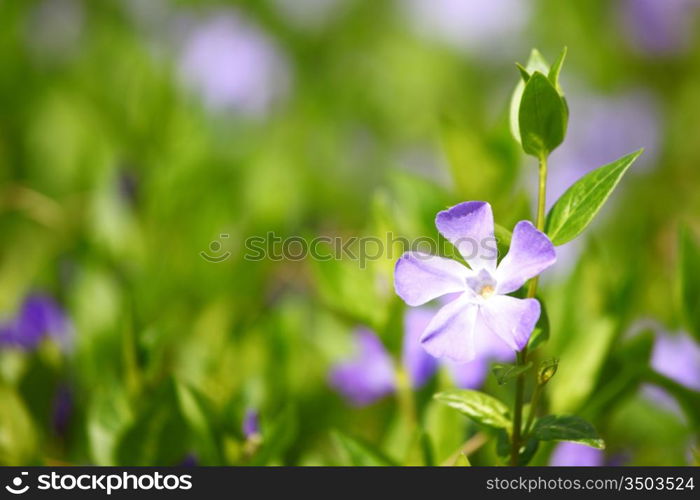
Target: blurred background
x,y
143,140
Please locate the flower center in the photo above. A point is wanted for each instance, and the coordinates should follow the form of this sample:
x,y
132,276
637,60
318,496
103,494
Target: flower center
x,y
486,291
482,284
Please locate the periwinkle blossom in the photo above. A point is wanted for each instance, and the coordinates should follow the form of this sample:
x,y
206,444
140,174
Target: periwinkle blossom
x,y
369,375
39,317
233,65
478,26
62,410
483,307
608,127
309,14
251,423
54,29
677,356
421,366
658,28
574,454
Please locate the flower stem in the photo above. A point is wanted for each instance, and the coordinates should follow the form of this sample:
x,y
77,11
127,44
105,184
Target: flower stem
x,y
521,357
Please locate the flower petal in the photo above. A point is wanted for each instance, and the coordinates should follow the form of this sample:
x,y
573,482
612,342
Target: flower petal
x,y
511,319
530,253
450,334
419,277
469,226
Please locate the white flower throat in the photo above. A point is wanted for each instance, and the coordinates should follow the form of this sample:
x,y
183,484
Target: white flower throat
x,y
482,284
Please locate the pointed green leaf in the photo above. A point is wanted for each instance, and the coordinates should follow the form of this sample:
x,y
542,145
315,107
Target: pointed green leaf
x,y
463,461
543,116
506,371
567,428
480,407
535,63
690,280
360,453
523,72
581,202
555,70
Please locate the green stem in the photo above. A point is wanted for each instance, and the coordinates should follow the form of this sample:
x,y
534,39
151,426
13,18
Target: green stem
x,y
533,408
522,355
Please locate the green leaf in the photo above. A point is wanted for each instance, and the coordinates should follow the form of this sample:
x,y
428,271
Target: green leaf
x,y
480,407
543,116
197,412
535,63
524,74
463,461
581,202
585,355
567,428
541,332
690,280
159,434
555,70
506,371
277,437
360,453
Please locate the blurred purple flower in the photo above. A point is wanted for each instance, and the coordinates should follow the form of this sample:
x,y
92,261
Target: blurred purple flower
x,y
62,410
421,366
482,26
572,454
233,65
658,27
39,317
676,356
190,460
417,363
483,308
54,29
367,377
604,128
251,423
308,14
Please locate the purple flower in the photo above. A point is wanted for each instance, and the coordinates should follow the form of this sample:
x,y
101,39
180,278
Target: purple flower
x,y
39,317
62,410
190,460
483,26
369,376
572,454
482,308
658,27
421,366
233,65
607,127
251,423
678,357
